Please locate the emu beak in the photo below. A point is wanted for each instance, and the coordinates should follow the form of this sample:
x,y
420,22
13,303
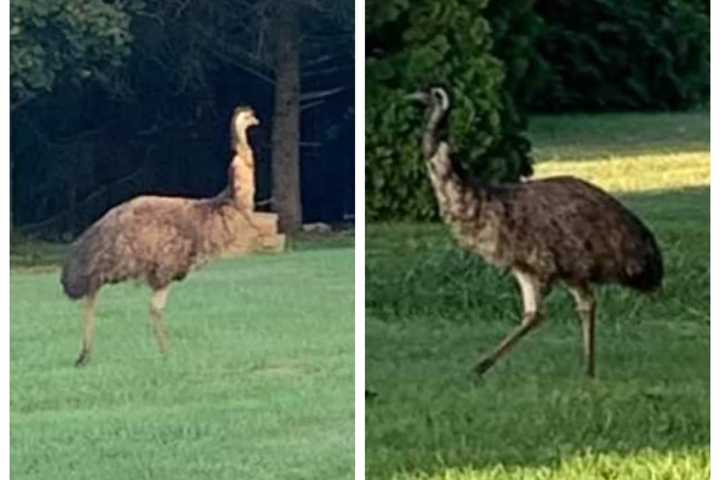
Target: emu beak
x,y
421,97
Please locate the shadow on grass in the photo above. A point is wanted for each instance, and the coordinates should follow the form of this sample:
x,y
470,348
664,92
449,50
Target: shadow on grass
x,y
431,308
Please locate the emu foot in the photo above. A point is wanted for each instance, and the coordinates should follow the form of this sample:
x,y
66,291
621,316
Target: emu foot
x,y
83,359
483,366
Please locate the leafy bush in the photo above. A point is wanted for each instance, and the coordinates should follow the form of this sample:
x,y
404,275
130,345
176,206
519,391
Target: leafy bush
x,y
516,29
413,45
618,55
76,38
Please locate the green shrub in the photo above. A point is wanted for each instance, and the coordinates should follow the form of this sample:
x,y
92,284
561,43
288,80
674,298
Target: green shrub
x,y
413,45
516,29
66,40
618,55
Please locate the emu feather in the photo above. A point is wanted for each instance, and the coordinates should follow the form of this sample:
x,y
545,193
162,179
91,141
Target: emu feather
x,y
160,240
559,229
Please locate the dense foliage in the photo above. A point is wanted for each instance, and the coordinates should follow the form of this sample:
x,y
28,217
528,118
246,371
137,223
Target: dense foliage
x,y
516,30
413,45
72,40
618,55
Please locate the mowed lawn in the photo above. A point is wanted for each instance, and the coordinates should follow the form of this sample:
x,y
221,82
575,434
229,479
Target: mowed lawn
x,y
258,383
431,311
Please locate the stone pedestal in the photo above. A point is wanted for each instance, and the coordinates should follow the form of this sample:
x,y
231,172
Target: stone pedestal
x,y
269,240
264,239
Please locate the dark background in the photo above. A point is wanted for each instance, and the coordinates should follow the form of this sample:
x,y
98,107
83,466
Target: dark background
x,y
111,100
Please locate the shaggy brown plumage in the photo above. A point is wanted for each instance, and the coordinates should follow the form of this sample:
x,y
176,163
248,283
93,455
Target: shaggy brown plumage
x,y
544,231
161,239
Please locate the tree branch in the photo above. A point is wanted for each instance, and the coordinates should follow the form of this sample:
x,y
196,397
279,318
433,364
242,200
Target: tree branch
x,y
27,99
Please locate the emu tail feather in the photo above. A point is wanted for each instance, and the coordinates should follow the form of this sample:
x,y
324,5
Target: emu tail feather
x,y
648,274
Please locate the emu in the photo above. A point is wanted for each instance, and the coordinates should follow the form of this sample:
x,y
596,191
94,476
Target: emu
x,y
559,229
159,240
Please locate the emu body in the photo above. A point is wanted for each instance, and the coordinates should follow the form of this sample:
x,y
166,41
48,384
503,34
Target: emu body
x,y
559,229
160,240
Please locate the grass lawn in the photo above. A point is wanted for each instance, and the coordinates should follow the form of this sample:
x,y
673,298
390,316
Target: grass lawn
x,y
258,383
431,310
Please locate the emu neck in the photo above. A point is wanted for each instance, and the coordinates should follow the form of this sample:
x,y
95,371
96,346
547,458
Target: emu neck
x,y
241,174
431,135
241,140
458,202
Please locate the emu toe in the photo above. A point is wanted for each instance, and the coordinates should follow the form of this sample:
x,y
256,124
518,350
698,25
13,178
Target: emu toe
x,y
82,359
483,366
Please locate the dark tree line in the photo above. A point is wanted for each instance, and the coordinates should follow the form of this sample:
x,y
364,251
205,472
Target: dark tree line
x,y
113,99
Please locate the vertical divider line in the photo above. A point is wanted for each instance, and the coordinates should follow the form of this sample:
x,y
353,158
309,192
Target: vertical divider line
x,y
714,262
5,245
359,239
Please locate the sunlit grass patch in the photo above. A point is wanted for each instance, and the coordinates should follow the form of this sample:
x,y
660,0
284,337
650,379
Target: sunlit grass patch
x,y
643,465
636,174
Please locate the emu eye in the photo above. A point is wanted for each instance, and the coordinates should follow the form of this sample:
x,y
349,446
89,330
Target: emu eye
x,y
440,97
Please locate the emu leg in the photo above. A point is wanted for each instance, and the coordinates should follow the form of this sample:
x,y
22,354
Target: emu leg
x,y
88,330
585,305
157,304
532,293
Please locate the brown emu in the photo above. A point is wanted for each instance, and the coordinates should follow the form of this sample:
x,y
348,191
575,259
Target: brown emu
x,y
542,231
160,239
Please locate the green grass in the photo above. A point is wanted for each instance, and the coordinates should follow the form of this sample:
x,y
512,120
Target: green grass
x,y
431,310
258,383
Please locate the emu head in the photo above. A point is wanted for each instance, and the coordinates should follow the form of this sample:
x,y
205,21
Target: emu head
x,y
435,99
437,103
244,117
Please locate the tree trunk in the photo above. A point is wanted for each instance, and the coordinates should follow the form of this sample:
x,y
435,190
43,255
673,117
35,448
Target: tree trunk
x,y
286,119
